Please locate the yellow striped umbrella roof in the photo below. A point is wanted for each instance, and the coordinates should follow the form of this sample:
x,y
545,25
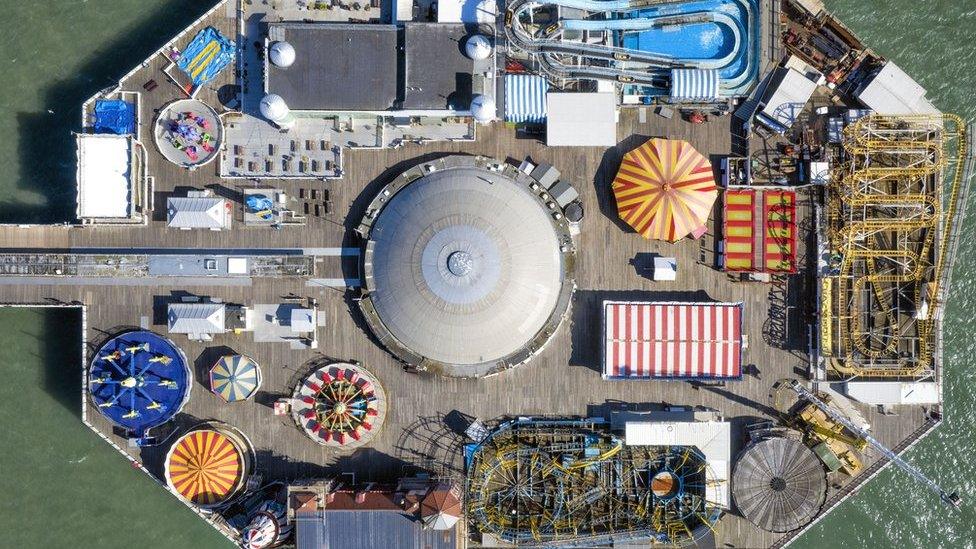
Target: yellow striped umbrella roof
x,y
204,467
664,189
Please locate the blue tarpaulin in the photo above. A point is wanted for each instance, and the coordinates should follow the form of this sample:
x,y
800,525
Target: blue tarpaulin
x,y
206,55
114,116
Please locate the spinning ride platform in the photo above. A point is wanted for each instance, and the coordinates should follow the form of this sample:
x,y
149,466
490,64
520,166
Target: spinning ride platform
x,y
339,405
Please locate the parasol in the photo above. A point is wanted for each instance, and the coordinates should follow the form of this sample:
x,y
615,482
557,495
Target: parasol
x,y
664,189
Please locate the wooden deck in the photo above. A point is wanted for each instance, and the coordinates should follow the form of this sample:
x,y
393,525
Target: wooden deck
x,y
564,380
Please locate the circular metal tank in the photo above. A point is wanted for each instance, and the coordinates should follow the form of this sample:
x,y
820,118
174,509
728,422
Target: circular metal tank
x,y
779,484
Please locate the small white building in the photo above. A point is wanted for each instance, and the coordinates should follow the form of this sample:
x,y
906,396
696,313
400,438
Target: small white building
x,y
199,321
199,210
892,91
581,119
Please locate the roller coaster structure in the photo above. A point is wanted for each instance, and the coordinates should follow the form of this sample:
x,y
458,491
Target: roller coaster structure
x,y
541,483
892,214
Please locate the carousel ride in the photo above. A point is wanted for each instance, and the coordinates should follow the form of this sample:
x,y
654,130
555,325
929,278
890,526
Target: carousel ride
x,y
209,465
339,405
139,380
188,133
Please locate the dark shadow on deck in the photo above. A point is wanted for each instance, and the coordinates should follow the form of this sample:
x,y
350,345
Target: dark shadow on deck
x,y
605,174
46,146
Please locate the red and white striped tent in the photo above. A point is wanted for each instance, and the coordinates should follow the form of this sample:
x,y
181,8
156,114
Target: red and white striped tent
x,y
670,340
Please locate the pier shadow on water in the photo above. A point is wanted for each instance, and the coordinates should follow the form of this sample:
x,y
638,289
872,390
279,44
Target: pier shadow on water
x,y
61,357
46,144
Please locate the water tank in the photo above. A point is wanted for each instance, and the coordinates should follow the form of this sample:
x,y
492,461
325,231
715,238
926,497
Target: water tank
x,y
274,108
477,47
282,54
483,108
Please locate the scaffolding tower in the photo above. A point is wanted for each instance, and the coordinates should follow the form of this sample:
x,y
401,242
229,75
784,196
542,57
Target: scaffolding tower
x,y
891,215
541,483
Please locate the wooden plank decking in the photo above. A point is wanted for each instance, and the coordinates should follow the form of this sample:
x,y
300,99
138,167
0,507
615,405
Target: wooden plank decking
x,y
564,380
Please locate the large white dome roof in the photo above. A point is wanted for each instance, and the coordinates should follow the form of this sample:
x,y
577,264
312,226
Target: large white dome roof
x,y
466,266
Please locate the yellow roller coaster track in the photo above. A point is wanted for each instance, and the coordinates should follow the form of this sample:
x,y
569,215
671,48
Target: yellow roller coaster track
x,y
895,137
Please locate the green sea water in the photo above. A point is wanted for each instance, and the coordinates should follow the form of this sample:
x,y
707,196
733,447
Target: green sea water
x,y
64,487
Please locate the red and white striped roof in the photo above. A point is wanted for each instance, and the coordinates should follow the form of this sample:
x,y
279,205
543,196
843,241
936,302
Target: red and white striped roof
x,y
645,340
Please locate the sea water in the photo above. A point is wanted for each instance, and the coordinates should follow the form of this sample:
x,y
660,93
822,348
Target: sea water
x,y
64,487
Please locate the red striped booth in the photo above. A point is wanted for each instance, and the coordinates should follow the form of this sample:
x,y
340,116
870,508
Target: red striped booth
x,y
671,340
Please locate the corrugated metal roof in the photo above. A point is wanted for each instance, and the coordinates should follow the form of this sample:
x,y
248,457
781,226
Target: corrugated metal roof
x,y
892,91
368,530
196,318
525,98
196,212
791,90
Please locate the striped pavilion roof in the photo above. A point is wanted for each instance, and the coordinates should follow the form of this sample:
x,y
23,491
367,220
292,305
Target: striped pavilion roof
x,y
235,377
665,189
204,467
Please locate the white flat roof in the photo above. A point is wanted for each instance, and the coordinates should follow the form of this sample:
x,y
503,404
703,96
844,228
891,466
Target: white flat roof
x,y
467,11
104,176
893,392
892,91
581,119
712,438
790,97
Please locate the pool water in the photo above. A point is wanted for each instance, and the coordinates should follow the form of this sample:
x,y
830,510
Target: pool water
x,y
729,43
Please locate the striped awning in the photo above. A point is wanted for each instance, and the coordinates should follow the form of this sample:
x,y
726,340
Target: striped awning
x,y
525,98
694,84
644,340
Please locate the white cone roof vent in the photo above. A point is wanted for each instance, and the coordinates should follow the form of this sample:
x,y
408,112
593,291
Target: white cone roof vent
x,y
483,108
282,54
477,47
274,108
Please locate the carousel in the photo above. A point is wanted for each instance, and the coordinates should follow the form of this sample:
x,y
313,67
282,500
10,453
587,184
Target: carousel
x,y
340,405
139,380
209,465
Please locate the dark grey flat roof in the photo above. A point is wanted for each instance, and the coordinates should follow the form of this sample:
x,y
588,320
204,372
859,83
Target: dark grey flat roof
x,y
366,529
438,72
337,66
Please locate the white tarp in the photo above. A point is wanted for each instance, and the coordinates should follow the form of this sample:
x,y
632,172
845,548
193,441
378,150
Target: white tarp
x,y
104,176
893,392
581,119
467,11
892,91
712,438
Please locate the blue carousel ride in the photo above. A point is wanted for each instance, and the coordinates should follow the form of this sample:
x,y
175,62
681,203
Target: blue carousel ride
x,y
139,380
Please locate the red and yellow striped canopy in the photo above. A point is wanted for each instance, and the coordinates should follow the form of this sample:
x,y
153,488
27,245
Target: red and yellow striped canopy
x,y
204,467
665,189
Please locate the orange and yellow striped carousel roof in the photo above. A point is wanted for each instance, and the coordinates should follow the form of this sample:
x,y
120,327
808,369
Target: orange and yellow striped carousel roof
x,y
204,467
665,189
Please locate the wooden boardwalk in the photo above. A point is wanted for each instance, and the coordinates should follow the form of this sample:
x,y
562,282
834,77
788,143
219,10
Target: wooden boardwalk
x,y
564,380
